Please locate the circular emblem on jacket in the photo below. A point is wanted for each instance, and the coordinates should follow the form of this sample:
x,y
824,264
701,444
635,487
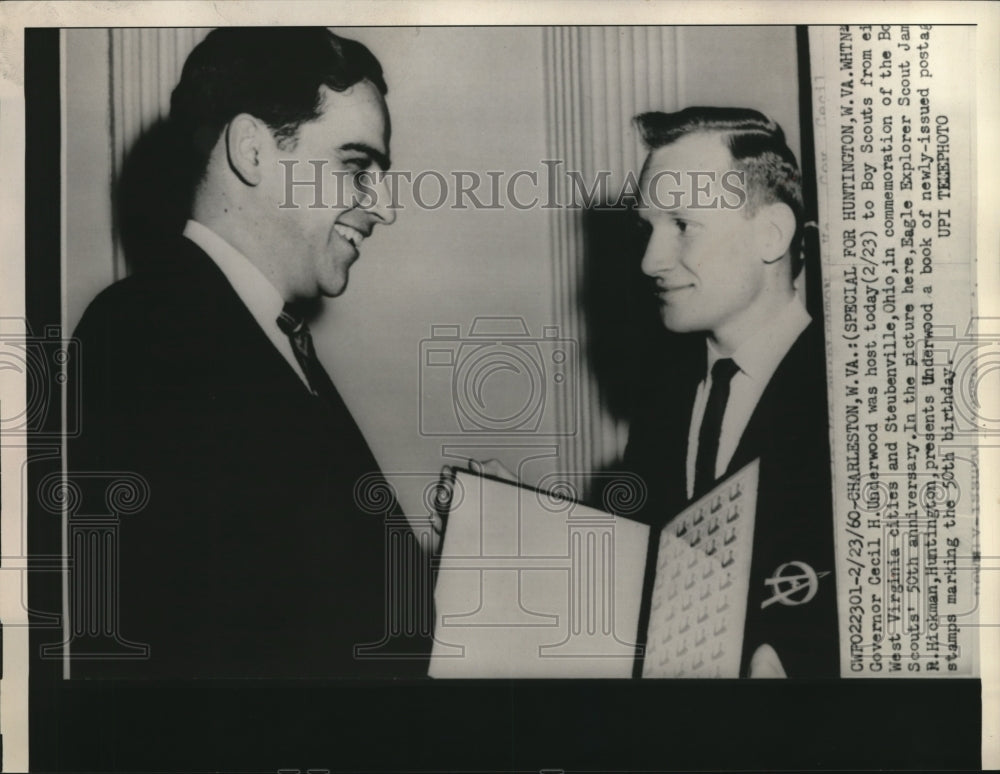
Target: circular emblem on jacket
x,y
793,583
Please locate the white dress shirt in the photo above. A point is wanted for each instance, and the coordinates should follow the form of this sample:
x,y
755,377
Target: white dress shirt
x,y
254,289
757,359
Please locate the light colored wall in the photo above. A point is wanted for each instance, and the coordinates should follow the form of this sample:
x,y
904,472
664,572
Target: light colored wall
x,y
752,67
461,100
89,258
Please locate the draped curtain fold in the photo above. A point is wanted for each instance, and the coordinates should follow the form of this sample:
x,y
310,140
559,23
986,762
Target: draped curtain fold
x,y
597,79
145,64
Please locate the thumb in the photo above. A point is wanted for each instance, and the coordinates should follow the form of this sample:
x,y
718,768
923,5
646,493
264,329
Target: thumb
x,y
765,663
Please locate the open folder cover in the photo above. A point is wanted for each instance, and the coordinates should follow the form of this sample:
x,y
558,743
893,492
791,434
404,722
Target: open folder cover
x,y
532,584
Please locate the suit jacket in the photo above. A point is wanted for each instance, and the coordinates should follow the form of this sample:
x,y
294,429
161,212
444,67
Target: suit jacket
x,y
260,552
789,433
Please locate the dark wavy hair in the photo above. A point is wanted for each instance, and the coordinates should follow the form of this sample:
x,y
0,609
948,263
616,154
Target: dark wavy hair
x,y
759,150
272,73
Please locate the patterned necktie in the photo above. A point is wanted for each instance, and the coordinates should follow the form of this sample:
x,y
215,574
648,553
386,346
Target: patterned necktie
x,y
294,327
711,425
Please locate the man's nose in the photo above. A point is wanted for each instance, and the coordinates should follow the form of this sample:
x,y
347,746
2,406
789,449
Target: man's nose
x,y
380,203
660,256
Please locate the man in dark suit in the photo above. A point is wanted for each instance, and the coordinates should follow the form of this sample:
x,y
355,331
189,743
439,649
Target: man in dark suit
x,y
262,549
722,205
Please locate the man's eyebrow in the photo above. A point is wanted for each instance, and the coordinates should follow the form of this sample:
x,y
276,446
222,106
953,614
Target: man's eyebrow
x,y
374,154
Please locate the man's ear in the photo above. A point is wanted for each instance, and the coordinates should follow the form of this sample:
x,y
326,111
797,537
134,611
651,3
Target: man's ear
x,y
244,138
776,230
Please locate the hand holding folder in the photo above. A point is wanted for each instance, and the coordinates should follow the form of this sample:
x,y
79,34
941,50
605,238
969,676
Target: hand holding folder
x,y
533,585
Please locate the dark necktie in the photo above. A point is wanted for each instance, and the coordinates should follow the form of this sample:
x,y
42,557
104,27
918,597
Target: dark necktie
x,y
293,325
711,425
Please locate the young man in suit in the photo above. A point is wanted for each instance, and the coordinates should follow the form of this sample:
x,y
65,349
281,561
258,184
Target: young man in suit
x,y
721,201
261,551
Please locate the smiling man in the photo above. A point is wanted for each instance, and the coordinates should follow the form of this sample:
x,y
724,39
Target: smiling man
x,y
722,207
255,555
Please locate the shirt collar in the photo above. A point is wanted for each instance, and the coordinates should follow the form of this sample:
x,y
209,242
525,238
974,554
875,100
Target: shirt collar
x,y
254,289
758,357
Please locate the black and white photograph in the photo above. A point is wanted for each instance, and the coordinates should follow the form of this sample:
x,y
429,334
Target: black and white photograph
x,y
498,391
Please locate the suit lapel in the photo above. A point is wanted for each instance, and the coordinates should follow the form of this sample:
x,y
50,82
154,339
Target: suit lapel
x,y
255,363
771,404
677,419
